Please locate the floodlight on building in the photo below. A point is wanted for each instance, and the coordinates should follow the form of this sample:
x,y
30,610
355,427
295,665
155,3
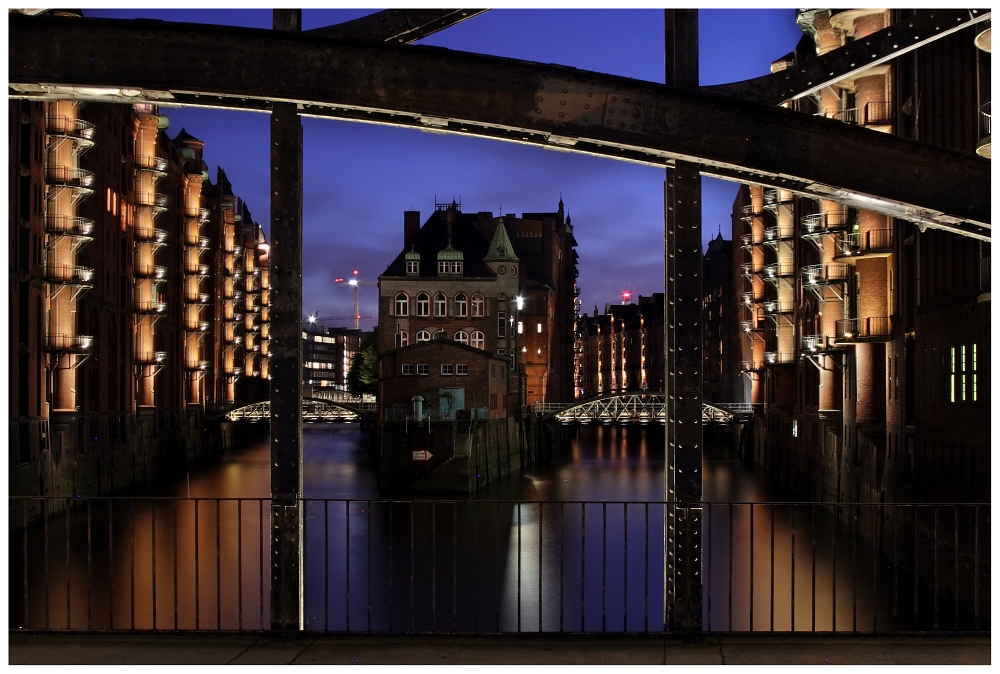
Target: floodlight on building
x,y
520,302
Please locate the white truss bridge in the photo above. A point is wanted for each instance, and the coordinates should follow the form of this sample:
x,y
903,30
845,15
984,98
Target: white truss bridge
x,y
313,410
636,408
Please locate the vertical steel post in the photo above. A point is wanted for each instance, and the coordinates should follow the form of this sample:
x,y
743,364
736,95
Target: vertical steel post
x,y
682,344
286,355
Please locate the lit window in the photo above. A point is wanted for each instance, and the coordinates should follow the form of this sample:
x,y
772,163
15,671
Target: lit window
x,y
423,305
975,374
447,369
478,340
478,306
520,328
440,305
539,328
423,336
462,337
402,304
423,368
461,305
408,369
462,369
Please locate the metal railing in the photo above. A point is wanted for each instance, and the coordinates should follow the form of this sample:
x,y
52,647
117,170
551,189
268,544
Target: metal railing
x,y
69,274
151,163
779,233
69,175
860,329
816,223
984,275
779,306
69,225
62,125
985,120
824,273
477,566
876,113
864,243
778,270
779,357
67,342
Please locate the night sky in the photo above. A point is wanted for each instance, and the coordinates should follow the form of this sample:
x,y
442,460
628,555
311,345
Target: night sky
x,y
359,178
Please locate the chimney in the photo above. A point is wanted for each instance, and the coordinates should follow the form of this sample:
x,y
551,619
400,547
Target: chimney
x,y
411,225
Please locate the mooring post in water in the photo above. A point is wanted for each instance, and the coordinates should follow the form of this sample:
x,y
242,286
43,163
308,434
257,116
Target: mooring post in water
x,y
682,357
286,565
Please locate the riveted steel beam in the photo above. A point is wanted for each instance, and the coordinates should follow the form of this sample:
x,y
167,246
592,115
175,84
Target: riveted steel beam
x,y
404,26
446,91
802,79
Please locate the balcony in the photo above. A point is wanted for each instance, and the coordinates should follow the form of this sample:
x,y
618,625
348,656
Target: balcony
x,y
151,199
196,365
871,329
752,366
746,212
822,223
824,274
78,130
984,37
776,270
196,269
751,325
200,298
149,234
984,146
775,307
777,233
196,326
155,165
201,213
750,298
150,271
875,114
819,344
779,357
150,357
149,307
232,339
67,225
749,240
873,243
69,176
750,268
61,343
72,275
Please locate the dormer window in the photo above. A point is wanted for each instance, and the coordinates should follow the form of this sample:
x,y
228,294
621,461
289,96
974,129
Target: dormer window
x,y
450,267
412,267
450,262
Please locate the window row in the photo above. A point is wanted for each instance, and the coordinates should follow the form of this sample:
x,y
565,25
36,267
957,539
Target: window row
x,y
477,339
462,305
447,369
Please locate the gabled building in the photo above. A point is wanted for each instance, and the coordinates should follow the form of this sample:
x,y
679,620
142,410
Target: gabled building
x,y
622,349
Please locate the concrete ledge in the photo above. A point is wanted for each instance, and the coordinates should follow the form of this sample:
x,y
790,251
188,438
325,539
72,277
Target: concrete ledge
x,y
268,649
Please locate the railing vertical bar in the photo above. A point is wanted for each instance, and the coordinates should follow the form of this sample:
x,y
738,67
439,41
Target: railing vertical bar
x,y
730,566
264,531
454,567
24,554
132,561
518,506
433,566
583,566
604,567
347,561
412,573
111,565
793,569
955,552
916,565
836,526
475,563
69,505
541,513
90,572
390,562
877,516
239,563
645,576
751,567
625,573
772,567
496,557
45,554
218,564
152,514
562,563
197,579
895,568
326,564
812,533
855,525
937,591
975,566
368,558
175,566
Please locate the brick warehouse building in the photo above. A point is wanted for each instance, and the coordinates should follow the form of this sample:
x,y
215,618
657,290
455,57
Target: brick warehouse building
x,y
505,285
866,337
138,297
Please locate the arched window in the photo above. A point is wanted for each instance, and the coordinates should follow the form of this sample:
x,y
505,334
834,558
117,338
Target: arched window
x,y
440,305
423,336
403,337
423,305
478,306
462,337
402,304
477,340
461,305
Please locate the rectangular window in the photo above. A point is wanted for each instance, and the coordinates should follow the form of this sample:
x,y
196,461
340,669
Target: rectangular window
x,y
501,352
462,369
408,369
447,369
975,373
412,266
422,368
961,365
539,328
951,375
501,324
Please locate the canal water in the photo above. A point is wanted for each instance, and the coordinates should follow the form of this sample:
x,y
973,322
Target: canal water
x,y
574,545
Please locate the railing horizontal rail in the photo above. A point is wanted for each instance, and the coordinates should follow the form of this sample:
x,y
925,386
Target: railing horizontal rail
x,y
496,566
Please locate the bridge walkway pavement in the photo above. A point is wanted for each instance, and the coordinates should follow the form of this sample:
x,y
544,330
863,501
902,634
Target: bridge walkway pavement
x,y
270,649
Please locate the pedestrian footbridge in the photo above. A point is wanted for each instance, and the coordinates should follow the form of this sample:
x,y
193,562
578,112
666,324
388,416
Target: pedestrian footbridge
x,y
635,408
313,410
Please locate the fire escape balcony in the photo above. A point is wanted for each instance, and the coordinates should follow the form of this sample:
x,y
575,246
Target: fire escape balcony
x,y
871,329
196,365
750,240
774,308
819,345
78,130
62,343
750,298
776,271
752,365
847,115
196,269
69,225
150,271
746,212
779,357
69,275
202,214
154,200
824,274
144,357
70,176
984,36
875,115
232,340
751,269
776,234
149,235
817,224
149,307
200,298
984,146
873,243
195,325
154,165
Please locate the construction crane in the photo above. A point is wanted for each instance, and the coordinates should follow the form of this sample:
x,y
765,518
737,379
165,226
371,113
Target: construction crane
x,y
314,319
355,282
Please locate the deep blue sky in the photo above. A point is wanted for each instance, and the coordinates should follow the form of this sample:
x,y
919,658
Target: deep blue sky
x,y
360,178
